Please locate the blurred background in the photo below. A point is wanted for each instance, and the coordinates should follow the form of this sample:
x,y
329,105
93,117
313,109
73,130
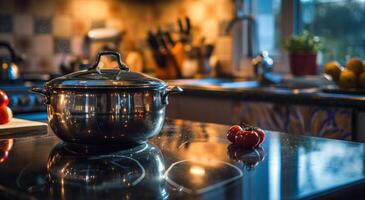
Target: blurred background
x,y
49,35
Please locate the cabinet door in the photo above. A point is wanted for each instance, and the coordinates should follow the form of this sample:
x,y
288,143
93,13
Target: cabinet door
x,y
329,122
203,109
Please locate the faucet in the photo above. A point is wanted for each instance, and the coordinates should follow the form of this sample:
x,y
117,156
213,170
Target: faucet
x,y
263,69
241,15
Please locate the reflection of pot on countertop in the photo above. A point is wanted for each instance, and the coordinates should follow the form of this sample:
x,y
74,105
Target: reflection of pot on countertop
x,y
81,173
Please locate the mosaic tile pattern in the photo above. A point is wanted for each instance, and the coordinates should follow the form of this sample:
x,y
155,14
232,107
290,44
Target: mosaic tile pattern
x,y
42,25
6,7
62,45
7,37
62,26
23,25
80,26
6,23
24,44
76,45
23,6
43,29
43,44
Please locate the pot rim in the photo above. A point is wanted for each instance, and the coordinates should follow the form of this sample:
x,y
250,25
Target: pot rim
x,y
98,88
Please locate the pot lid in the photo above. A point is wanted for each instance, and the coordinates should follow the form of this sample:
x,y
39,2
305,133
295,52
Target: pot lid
x,y
94,77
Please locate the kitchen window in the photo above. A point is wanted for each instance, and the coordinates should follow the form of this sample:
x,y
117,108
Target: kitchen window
x,y
341,24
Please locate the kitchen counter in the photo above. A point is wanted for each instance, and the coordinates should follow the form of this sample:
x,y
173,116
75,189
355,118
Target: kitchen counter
x,y
187,160
305,106
307,92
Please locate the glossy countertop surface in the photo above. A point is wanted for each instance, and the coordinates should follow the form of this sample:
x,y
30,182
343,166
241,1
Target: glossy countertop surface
x,y
306,90
187,160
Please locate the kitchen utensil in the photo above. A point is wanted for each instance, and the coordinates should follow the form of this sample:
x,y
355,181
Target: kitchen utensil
x,y
20,127
9,70
152,41
169,38
208,50
151,38
161,40
179,53
184,29
106,106
171,65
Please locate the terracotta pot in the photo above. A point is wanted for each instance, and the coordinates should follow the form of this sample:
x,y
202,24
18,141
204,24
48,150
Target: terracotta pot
x,y
303,64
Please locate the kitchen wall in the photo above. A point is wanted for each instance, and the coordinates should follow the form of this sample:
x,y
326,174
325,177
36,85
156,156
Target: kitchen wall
x,y
48,31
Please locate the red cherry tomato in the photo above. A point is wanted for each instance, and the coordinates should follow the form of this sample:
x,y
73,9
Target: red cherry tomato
x,y
5,114
4,100
247,139
232,132
261,134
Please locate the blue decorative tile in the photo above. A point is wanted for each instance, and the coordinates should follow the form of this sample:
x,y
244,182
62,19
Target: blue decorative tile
x,y
6,23
42,25
62,45
97,24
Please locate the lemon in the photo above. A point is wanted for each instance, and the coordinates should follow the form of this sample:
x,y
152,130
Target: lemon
x,y
355,65
347,79
333,69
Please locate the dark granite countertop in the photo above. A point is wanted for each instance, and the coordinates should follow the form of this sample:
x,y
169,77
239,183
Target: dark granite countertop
x,y
309,94
187,160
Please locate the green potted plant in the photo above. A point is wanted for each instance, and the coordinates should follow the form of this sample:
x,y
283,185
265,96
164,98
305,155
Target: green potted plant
x,y
303,51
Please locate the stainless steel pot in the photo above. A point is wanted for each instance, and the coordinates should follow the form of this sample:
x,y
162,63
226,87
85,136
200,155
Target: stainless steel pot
x,y
106,106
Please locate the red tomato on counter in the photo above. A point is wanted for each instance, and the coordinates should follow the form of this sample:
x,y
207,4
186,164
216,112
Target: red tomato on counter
x,y
247,137
232,132
5,114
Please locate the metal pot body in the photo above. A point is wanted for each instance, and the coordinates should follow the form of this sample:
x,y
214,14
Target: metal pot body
x,y
107,116
96,106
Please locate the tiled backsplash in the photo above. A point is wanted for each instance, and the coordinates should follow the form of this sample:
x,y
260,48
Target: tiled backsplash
x,y
47,30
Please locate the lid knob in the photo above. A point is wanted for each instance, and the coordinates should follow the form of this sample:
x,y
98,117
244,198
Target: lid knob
x,y
121,65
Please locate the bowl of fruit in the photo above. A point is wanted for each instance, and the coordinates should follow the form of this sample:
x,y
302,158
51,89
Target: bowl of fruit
x,y
349,78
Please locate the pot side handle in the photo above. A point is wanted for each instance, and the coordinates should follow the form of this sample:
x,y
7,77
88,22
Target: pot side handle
x,y
170,90
42,92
